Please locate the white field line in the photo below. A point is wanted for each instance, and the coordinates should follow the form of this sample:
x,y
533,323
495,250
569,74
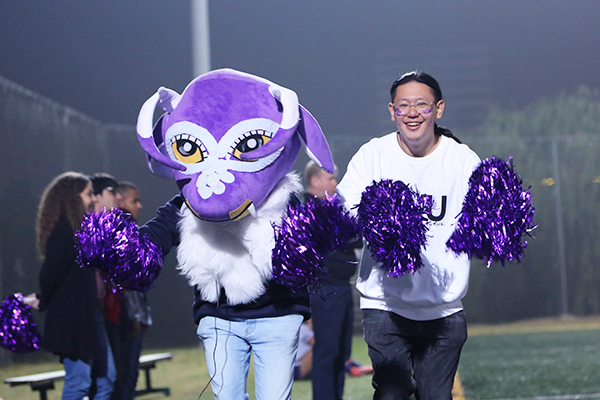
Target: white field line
x,y
565,397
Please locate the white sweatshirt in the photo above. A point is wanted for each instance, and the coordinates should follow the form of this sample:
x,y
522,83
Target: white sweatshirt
x,y
437,289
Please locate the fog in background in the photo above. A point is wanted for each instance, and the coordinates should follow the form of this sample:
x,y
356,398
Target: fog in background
x,y
106,58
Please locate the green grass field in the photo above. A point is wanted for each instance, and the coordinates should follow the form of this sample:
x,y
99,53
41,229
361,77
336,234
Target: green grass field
x,y
540,359
528,360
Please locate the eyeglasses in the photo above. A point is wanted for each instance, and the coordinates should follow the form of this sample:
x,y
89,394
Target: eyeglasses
x,y
421,106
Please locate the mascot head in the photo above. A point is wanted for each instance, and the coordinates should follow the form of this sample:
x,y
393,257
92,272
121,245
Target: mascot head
x,y
228,140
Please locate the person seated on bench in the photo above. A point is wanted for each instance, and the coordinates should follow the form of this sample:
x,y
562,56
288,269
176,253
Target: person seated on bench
x,y
74,326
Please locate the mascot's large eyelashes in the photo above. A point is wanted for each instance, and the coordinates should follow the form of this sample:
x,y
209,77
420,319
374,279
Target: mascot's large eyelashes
x,y
190,146
198,151
250,142
188,149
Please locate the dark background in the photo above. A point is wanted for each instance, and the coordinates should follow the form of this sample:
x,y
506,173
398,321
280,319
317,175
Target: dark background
x,y
106,58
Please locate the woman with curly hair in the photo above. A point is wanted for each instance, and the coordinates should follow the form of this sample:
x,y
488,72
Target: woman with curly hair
x,y
74,326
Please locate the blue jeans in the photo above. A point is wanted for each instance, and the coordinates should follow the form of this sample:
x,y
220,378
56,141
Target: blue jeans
x,y
419,357
79,373
227,348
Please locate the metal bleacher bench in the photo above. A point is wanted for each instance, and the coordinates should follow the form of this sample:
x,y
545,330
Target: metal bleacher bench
x,y
45,381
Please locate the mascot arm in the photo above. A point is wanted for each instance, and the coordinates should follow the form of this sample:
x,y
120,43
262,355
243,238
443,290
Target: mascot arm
x,y
162,229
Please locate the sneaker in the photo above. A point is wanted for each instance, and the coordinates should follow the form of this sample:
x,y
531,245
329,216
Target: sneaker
x,y
356,369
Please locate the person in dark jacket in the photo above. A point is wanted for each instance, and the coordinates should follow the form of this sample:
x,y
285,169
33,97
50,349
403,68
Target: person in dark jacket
x,y
333,305
74,326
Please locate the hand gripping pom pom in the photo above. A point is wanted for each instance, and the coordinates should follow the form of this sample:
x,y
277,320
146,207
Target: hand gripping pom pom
x,y
18,332
392,218
111,242
307,235
496,213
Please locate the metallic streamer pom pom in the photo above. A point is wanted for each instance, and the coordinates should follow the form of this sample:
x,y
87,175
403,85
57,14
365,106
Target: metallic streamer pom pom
x,y
495,215
307,235
18,332
392,218
111,242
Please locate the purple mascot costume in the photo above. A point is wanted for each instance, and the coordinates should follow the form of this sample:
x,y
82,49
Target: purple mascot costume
x,y
244,242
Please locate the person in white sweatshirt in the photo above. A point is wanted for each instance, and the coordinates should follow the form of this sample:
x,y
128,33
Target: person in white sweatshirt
x,y
414,324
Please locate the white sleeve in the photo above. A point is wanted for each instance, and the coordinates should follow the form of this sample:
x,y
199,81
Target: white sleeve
x,y
470,165
356,179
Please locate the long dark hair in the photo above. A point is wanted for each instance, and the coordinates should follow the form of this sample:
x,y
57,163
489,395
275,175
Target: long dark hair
x,y
426,79
61,199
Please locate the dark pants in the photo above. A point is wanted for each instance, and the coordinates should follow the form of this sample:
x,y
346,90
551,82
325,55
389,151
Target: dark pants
x,y
118,335
419,357
332,317
132,365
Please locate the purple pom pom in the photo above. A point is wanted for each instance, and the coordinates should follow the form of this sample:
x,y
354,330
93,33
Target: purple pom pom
x,y
392,218
308,234
111,242
18,332
495,215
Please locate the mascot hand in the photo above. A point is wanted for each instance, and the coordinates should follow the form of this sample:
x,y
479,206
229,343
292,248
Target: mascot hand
x,y
307,235
111,242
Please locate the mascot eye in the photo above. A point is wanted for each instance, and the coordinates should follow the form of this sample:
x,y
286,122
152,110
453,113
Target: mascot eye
x,y
188,149
251,141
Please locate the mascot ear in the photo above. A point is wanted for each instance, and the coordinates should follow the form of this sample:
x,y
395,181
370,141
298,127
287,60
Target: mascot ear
x,y
154,166
145,131
289,121
317,147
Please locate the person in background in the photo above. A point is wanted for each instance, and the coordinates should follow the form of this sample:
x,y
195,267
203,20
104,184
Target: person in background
x,y
74,327
136,314
105,198
304,356
104,191
332,306
414,324
128,199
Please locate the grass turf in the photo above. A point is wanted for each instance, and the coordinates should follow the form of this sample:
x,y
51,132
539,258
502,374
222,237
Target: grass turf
x,y
512,361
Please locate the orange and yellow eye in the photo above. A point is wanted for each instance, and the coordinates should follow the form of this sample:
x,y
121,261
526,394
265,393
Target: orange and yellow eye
x,y
252,141
188,150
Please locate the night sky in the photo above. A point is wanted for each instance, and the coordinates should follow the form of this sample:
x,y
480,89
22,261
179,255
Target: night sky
x,y
105,58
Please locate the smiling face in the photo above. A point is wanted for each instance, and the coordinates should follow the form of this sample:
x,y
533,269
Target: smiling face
x,y
107,199
87,196
419,111
130,202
